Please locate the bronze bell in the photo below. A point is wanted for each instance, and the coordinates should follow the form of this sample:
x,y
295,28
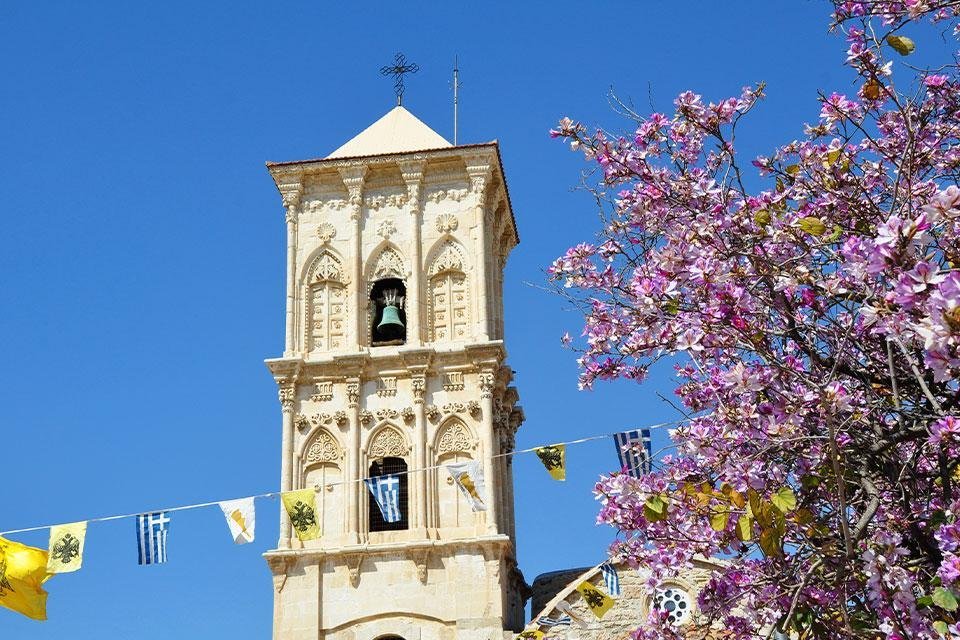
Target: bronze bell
x,y
391,318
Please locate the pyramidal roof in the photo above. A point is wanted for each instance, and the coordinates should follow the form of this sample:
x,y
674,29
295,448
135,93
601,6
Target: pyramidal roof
x,y
398,131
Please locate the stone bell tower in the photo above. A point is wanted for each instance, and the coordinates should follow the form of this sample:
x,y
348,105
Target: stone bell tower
x,y
394,363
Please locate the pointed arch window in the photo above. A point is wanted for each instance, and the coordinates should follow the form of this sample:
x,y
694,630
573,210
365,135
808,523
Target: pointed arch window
x,y
326,308
449,308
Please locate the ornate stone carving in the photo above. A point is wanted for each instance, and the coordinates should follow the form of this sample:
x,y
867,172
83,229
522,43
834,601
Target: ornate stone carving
x,y
288,396
324,392
326,267
447,222
419,386
353,562
447,194
386,228
326,232
388,265
422,559
386,414
387,386
353,393
366,417
388,443
338,417
408,414
473,408
453,381
454,437
433,412
323,448
448,259
377,202
301,422
486,384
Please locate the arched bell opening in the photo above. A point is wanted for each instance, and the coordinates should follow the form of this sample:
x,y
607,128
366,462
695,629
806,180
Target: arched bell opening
x,y
389,324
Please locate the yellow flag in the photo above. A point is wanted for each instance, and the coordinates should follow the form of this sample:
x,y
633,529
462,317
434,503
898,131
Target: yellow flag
x,y
536,634
22,570
301,507
554,458
66,547
597,600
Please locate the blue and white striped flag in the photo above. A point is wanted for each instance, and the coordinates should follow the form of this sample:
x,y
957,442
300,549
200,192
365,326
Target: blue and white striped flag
x,y
635,460
152,537
386,491
610,578
547,621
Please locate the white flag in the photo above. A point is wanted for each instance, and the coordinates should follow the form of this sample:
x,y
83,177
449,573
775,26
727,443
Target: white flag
x,y
241,518
469,477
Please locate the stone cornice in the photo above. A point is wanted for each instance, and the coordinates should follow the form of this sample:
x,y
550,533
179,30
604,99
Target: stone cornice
x,y
500,542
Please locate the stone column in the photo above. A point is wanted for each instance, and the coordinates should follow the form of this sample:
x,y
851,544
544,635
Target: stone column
x,y
353,180
490,449
419,520
413,177
354,473
479,179
288,392
291,200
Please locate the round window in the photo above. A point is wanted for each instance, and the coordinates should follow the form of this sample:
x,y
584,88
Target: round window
x,y
675,602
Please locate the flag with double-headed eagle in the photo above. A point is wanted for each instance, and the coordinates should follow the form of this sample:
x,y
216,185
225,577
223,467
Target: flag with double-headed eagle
x,y
65,552
554,459
301,506
241,517
597,600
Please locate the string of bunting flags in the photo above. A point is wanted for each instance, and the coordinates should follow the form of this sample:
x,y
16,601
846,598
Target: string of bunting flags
x,y
24,569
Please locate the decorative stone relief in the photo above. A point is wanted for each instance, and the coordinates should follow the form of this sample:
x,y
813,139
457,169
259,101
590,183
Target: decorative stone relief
x,y
447,222
419,386
449,317
326,267
455,437
301,422
486,384
386,228
379,201
450,258
324,392
338,417
386,414
353,392
387,386
388,265
326,232
453,381
353,562
422,559
408,414
287,395
388,443
434,413
366,417
324,448
447,194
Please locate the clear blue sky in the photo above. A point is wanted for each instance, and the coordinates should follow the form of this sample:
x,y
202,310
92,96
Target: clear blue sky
x,y
142,251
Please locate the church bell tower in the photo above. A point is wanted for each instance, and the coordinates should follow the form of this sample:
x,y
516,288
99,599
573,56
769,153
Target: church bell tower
x,y
394,363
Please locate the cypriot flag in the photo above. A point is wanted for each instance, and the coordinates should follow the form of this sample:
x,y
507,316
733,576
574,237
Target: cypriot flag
x,y
241,518
469,477
66,547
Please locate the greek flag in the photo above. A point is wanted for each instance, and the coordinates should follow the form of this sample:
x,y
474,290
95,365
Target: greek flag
x,y
386,491
547,621
610,578
635,461
152,537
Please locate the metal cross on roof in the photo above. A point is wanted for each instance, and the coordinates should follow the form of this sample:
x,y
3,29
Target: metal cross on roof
x,y
399,68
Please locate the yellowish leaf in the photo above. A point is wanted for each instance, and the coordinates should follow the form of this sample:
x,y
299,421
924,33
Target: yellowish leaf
x,y
784,499
812,225
901,44
745,527
718,521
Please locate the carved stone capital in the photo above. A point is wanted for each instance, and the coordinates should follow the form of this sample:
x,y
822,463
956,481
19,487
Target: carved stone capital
x,y
419,386
287,395
353,392
487,382
354,561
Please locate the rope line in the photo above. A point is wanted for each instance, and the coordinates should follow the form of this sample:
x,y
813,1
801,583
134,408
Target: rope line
x,y
274,494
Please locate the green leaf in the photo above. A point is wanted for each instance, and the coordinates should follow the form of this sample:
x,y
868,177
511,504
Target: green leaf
x,y
940,627
745,527
833,237
770,542
784,500
718,521
901,44
945,599
655,509
762,217
812,225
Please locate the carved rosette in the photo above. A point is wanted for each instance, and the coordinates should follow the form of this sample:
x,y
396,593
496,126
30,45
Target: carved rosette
x,y
386,228
301,422
447,223
408,414
326,232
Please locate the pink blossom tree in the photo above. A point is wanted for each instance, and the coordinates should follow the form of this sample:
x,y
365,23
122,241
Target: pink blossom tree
x,y
816,329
